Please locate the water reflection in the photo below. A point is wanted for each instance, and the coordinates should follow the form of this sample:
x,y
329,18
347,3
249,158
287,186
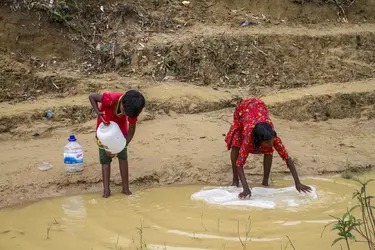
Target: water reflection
x,y
74,214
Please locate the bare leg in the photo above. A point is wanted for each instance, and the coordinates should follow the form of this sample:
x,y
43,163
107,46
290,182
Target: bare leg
x,y
124,171
233,157
106,172
267,163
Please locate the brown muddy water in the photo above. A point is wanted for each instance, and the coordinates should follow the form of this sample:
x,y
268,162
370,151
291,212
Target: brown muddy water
x,y
168,218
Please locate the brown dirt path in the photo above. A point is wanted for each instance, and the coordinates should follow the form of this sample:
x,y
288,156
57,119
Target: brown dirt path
x,y
279,30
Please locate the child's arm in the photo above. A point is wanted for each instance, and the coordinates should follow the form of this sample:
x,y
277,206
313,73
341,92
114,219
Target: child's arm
x,y
299,186
94,100
131,133
279,146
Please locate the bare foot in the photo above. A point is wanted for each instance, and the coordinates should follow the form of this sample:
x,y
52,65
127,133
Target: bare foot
x,y
265,183
106,193
127,192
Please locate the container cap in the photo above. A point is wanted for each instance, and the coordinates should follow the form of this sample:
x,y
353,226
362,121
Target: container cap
x,y
72,138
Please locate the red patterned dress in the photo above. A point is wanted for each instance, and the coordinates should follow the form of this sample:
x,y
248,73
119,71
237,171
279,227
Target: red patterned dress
x,y
247,114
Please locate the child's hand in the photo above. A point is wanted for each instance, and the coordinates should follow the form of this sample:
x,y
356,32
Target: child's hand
x,y
100,114
245,194
303,188
109,154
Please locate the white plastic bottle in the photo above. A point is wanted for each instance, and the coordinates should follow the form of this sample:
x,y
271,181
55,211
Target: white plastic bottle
x,y
73,155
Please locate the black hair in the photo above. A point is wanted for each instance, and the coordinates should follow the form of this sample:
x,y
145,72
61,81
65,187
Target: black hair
x,y
262,131
133,103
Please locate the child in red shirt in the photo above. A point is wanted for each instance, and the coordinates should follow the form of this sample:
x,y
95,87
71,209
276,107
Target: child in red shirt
x,y
122,109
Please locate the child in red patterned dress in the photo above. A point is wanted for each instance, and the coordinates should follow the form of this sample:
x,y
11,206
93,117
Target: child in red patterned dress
x,y
252,132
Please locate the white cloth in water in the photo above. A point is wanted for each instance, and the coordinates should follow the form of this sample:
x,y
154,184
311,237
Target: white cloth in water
x,y
260,197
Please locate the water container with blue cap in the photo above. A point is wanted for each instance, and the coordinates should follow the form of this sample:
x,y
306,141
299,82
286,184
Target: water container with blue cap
x,y
73,155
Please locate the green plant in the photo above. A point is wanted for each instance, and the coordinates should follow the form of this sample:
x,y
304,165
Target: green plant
x,y
117,246
50,225
289,243
345,226
203,223
247,233
349,225
142,243
366,227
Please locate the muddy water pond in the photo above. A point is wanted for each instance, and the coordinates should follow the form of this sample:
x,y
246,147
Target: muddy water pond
x,y
182,217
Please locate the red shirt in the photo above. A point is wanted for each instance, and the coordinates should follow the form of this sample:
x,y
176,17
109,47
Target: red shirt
x,y
247,114
110,106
